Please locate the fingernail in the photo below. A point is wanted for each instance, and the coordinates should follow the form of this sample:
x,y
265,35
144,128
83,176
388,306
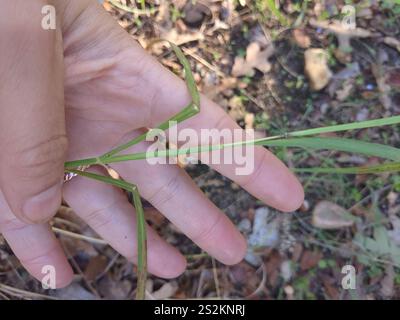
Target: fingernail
x,y
44,205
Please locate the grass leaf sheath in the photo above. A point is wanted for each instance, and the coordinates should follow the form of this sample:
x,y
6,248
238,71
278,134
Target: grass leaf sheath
x,y
140,228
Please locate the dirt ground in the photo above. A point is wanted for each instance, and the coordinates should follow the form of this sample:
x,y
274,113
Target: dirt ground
x,y
250,59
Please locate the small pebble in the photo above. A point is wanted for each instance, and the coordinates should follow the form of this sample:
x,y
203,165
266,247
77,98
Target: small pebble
x,y
244,226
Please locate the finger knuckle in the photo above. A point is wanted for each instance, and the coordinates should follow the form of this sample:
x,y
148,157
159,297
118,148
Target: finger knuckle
x,y
11,224
247,181
101,218
39,257
45,156
207,230
166,192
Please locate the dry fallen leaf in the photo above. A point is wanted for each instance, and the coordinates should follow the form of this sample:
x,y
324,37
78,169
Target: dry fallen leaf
x,y
393,42
255,59
331,288
328,215
343,34
316,68
166,291
387,283
347,88
249,120
95,267
310,259
301,38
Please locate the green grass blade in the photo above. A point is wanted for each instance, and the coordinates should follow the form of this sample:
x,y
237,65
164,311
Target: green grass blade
x,y
142,246
141,226
347,127
264,141
275,11
340,144
317,143
191,83
381,168
281,139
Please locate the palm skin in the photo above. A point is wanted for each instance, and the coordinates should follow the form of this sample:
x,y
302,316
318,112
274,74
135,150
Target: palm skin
x,y
113,89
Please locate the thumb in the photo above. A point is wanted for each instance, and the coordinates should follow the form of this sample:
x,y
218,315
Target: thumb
x,y
33,142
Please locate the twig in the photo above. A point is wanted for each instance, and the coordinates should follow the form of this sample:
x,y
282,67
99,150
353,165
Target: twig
x,y
23,293
79,236
216,280
78,268
109,266
261,286
204,62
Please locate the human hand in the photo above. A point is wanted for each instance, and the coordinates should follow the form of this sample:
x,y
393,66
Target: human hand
x,y
111,89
